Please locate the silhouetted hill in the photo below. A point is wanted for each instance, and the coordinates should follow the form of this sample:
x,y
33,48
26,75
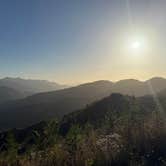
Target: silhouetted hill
x,y
88,91
131,87
95,114
140,88
49,105
56,104
113,106
157,83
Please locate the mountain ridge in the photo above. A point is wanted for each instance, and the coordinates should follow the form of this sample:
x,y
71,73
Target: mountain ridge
x,y
56,104
30,85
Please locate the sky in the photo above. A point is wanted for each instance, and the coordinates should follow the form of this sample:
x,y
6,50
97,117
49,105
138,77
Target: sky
x,y
75,41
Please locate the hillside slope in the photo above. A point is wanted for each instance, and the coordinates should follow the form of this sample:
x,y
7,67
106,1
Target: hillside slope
x,y
56,104
49,105
126,127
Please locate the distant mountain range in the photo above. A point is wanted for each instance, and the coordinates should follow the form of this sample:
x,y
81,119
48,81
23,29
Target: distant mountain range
x,y
7,94
29,85
56,104
139,88
17,88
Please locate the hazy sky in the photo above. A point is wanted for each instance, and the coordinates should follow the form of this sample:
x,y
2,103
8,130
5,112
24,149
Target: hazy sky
x,y
73,41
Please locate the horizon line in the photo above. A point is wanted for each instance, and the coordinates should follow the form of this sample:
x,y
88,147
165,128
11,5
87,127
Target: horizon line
x,y
84,82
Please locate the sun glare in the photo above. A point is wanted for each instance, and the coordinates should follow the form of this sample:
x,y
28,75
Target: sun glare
x,y
136,45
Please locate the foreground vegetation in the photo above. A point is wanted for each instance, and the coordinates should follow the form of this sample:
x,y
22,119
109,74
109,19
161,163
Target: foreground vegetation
x,y
116,131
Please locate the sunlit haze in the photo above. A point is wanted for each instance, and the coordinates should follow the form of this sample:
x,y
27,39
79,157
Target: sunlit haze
x,y
73,42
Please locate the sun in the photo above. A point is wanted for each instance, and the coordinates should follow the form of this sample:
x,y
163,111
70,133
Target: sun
x,y
136,45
